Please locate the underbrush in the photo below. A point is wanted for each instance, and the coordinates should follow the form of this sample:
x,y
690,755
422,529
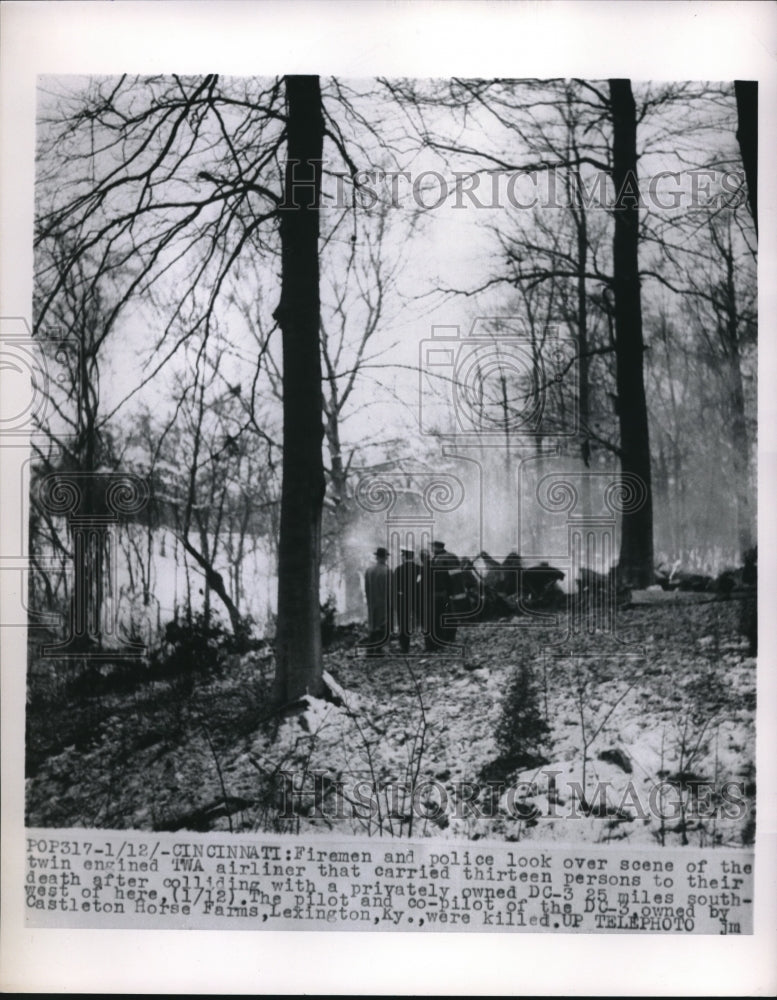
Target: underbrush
x,y
177,741
156,698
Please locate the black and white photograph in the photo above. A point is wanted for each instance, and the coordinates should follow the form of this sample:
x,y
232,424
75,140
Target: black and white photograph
x,y
325,561
387,495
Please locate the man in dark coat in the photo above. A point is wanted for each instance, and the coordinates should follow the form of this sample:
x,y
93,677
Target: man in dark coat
x,y
377,585
424,599
404,593
511,575
447,587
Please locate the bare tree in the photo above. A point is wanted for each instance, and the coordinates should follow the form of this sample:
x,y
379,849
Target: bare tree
x,y
636,554
298,639
178,178
75,436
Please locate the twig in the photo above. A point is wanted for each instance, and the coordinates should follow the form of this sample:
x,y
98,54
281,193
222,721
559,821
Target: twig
x,y
218,771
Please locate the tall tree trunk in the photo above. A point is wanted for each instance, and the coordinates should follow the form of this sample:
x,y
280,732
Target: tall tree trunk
x,y
298,640
746,92
636,552
582,344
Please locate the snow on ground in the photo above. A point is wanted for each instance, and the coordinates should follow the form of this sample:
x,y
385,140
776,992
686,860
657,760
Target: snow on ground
x,y
650,743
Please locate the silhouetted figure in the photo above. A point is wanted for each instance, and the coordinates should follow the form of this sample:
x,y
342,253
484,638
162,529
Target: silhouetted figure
x,y
511,575
424,598
405,597
447,586
377,583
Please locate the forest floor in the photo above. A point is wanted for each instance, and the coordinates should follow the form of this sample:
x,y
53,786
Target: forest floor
x,y
650,741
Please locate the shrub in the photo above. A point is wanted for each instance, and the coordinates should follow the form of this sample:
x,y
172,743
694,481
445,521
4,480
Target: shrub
x,y
522,733
200,645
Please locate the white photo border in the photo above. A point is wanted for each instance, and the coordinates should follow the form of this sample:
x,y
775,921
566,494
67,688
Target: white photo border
x,y
641,40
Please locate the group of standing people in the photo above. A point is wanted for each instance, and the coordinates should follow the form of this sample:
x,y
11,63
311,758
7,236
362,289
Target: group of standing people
x,y
415,594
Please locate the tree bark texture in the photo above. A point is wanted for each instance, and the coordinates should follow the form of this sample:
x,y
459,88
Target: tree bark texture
x,y
746,92
298,637
636,550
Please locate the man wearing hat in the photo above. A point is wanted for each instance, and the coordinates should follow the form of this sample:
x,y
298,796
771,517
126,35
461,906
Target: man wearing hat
x,y
377,581
404,595
446,584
